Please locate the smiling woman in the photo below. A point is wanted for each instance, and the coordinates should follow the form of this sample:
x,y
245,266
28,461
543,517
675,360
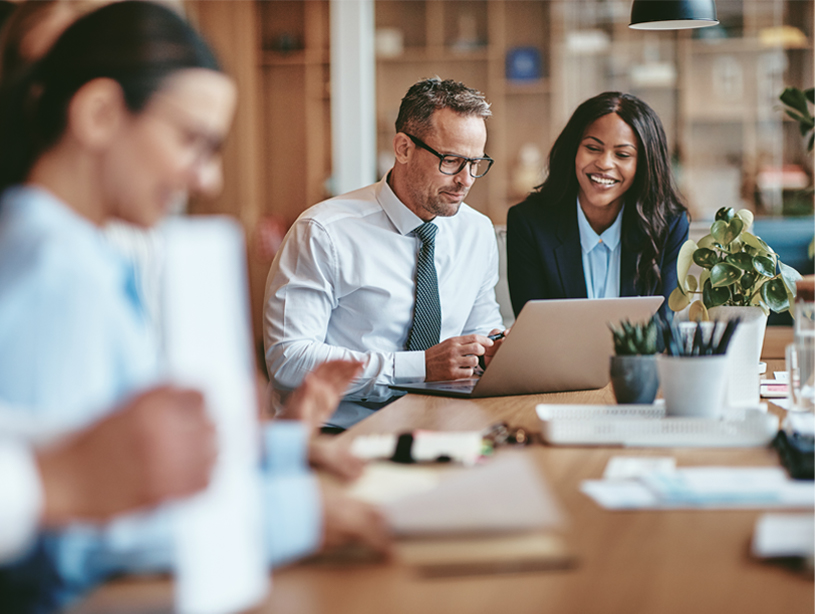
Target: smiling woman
x,y
608,220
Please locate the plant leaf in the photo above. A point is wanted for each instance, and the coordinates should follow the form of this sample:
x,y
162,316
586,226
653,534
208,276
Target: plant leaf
x,y
705,257
725,213
717,229
703,277
790,276
706,241
774,294
747,217
713,297
748,279
764,266
690,283
756,243
733,230
810,94
698,312
685,259
724,274
795,98
742,260
677,301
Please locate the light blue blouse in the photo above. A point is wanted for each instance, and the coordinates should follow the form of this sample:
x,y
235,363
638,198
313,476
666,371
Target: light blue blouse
x,y
74,341
601,256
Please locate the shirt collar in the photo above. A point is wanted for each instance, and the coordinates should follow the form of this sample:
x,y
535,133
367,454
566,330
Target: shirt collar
x,y
400,216
46,211
589,239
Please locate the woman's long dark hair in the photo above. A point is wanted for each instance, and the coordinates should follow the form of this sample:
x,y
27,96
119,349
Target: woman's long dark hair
x,y
136,43
653,194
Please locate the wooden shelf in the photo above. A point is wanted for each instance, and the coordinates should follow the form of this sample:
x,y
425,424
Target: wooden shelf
x,y
434,54
294,58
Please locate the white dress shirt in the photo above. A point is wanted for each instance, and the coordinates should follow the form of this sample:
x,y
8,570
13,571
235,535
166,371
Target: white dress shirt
x,y
601,256
343,286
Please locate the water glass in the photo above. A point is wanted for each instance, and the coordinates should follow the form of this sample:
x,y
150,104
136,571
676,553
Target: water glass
x,y
801,358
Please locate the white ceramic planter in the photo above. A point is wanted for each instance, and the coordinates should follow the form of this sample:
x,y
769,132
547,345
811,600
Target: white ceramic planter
x,y
743,354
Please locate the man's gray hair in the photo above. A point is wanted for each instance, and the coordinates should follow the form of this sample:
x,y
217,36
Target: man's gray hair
x,y
430,95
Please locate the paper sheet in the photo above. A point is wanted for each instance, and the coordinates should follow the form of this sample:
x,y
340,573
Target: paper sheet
x,y
220,560
628,467
507,493
779,535
704,488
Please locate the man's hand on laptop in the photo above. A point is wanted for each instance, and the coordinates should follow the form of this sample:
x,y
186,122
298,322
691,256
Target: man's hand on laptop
x,y
496,343
455,358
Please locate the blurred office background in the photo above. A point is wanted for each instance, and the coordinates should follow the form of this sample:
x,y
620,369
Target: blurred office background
x,y
716,89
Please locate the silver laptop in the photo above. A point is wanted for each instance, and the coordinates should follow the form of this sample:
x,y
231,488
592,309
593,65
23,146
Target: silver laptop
x,y
554,346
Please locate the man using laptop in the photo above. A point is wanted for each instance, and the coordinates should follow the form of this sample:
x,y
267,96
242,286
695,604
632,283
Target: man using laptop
x,y
399,275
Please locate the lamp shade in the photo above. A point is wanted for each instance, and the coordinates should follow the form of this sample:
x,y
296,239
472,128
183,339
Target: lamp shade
x,y
672,14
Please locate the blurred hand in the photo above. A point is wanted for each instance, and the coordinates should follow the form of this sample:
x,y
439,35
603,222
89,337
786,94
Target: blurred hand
x,y
495,344
159,445
334,457
455,358
316,399
348,520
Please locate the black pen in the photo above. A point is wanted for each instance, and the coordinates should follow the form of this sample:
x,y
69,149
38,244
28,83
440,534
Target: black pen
x,y
494,337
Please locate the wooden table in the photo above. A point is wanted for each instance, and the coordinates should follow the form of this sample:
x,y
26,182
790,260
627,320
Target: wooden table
x,y
628,562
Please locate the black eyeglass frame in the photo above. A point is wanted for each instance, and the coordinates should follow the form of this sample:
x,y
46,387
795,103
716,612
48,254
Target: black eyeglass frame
x,y
464,160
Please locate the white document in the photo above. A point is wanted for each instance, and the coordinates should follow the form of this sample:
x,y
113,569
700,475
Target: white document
x,y
385,482
731,487
629,467
704,488
781,535
505,494
220,559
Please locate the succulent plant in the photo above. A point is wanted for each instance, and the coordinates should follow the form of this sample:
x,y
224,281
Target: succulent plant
x,y
632,339
738,268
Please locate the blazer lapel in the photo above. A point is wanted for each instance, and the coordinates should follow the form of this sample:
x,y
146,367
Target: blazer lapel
x,y
568,255
631,245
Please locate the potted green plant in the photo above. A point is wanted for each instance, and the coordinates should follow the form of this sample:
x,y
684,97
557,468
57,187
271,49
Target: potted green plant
x,y
633,367
741,276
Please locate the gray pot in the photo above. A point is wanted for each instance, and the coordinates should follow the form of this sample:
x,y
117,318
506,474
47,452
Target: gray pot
x,y
634,378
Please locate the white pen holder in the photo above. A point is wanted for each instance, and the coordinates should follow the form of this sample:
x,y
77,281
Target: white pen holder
x,y
693,386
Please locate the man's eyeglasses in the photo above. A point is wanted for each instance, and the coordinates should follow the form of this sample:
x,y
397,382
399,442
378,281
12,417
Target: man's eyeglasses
x,y
450,164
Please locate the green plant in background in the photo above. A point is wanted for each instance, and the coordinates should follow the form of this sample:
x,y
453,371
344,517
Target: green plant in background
x,y
632,339
798,109
738,268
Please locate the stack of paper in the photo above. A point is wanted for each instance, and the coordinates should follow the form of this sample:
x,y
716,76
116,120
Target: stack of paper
x,y
493,518
659,486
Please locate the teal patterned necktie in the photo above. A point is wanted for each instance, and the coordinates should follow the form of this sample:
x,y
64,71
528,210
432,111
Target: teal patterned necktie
x,y
426,328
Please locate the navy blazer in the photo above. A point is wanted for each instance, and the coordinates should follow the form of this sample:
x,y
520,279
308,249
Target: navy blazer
x,y
545,261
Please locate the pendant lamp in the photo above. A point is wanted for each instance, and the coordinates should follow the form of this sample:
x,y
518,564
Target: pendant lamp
x,y
672,14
